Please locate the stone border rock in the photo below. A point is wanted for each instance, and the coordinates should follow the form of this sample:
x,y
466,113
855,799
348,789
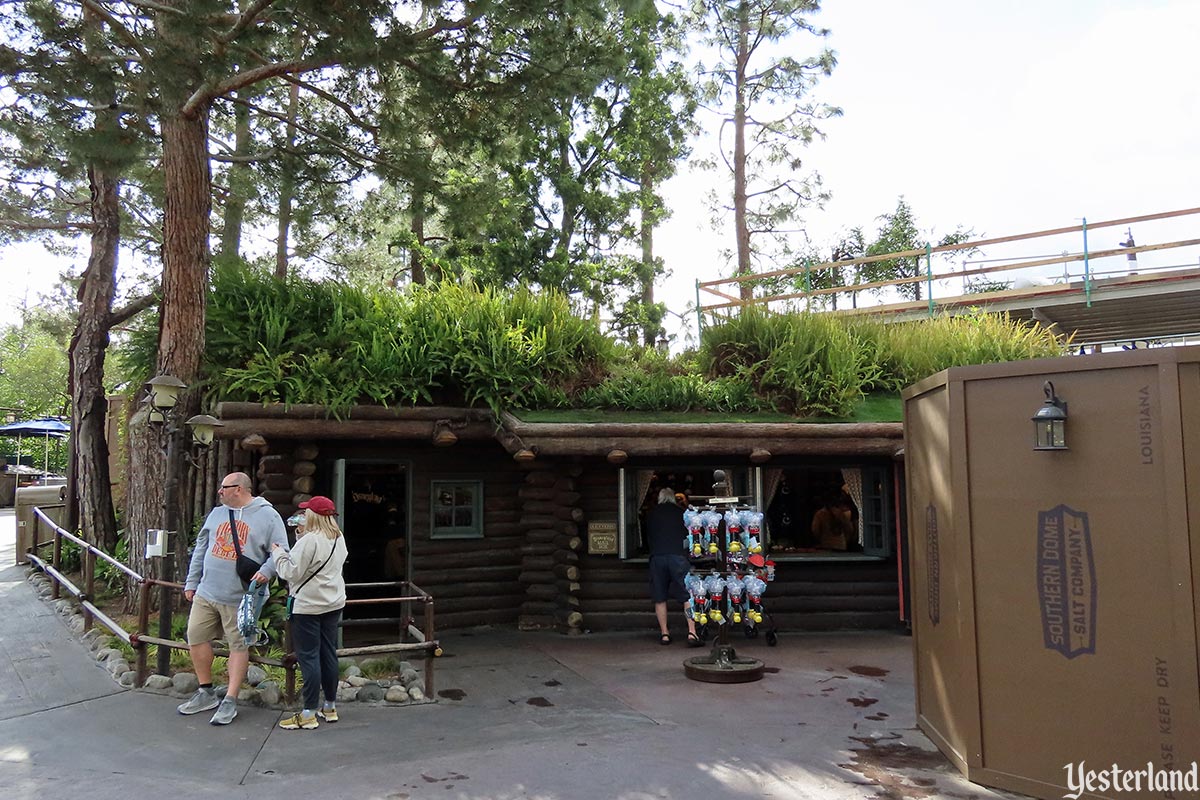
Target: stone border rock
x,y
406,690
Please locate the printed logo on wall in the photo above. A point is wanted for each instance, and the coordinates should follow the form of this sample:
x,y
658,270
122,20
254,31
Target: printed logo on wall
x,y
933,565
1066,581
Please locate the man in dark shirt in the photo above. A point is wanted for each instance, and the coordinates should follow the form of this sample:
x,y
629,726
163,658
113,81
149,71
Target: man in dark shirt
x,y
665,534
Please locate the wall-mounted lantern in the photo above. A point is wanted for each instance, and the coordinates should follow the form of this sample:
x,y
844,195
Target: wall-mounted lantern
x,y
1050,422
204,428
164,393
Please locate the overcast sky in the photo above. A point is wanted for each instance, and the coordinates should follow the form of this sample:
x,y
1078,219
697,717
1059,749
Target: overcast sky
x,y
1001,117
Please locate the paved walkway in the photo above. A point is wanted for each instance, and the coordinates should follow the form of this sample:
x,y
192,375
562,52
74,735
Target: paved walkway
x,y
520,716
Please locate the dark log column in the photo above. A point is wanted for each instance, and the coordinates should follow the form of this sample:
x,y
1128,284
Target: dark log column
x,y
550,517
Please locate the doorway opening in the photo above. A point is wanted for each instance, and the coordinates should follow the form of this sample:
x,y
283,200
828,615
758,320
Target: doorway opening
x,y
374,500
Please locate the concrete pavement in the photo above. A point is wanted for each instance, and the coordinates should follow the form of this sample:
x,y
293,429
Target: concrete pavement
x,y
519,716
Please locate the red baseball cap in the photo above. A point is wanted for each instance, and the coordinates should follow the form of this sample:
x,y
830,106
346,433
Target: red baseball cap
x,y
320,505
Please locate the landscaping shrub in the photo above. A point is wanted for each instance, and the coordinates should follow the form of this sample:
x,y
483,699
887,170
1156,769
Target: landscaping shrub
x,y
301,341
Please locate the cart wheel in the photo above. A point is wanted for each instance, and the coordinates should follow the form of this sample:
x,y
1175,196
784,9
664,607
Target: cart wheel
x,y
751,632
772,639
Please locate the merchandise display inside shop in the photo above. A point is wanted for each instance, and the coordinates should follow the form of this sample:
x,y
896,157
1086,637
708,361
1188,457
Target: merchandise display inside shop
x,y
804,511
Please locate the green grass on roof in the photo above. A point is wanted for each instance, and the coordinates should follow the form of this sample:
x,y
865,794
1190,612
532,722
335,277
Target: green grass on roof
x,y
874,408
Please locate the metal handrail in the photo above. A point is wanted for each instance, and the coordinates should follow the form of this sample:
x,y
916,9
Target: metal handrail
x,y
85,545
140,638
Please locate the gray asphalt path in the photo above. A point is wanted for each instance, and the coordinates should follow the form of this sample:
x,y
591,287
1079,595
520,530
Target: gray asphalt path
x,y
520,716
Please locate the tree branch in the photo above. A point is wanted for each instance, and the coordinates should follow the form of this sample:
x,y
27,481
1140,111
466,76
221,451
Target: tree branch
x,y
206,93
248,158
149,6
324,95
338,146
15,225
115,24
245,20
132,308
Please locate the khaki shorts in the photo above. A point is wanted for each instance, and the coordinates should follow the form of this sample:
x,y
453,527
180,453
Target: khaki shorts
x,y
209,621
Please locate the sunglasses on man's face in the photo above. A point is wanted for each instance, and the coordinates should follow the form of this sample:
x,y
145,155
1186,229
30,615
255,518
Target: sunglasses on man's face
x,y
230,486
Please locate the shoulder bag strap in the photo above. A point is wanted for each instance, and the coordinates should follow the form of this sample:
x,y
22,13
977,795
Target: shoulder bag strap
x,y
318,569
233,532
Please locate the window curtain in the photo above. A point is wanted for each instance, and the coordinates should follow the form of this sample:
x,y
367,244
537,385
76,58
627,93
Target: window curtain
x,y
771,480
644,476
853,481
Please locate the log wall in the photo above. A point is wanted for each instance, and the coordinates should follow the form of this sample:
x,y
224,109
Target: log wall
x,y
473,581
531,567
550,523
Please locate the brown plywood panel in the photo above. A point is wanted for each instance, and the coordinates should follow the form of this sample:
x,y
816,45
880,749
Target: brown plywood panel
x,y
1074,582
942,633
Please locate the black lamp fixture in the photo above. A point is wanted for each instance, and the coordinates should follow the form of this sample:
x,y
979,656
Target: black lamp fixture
x,y
204,428
1050,422
164,394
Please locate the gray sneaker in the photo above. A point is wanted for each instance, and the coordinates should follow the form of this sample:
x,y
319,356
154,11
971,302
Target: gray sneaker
x,y
225,712
202,700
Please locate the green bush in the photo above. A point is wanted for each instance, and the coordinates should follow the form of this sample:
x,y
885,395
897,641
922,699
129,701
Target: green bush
x,y
823,364
298,341
332,344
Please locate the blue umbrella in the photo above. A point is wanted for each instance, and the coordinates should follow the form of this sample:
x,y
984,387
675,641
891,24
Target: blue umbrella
x,y
44,427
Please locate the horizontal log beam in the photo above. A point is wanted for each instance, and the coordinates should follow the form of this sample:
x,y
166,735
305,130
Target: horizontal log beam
x,y
272,428
494,545
535,432
470,619
230,410
530,577
432,579
702,447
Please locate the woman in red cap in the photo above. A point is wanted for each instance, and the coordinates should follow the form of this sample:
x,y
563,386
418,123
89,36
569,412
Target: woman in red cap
x,y
317,595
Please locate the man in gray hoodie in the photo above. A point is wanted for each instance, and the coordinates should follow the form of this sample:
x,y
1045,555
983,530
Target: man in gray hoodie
x,y
214,588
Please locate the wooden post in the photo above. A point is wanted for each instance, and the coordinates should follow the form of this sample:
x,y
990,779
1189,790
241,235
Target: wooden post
x,y
429,656
143,627
89,586
55,559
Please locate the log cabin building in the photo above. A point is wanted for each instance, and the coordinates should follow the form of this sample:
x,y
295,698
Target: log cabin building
x,y
538,524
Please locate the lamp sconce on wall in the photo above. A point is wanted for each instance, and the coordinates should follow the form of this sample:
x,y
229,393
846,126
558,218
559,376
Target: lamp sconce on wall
x,y
1050,422
164,395
204,428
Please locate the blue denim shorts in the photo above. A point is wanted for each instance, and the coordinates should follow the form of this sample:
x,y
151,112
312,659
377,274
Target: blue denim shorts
x,y
666,578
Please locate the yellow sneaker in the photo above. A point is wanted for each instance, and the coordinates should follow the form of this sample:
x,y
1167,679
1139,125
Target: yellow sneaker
x,y
298,720
328,714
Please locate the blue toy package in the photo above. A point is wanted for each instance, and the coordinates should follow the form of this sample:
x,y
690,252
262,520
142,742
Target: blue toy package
x,y
249,610
714,584
692,543
697,607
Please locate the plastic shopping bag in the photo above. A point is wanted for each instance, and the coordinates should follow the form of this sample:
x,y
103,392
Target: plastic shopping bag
x,y
249,610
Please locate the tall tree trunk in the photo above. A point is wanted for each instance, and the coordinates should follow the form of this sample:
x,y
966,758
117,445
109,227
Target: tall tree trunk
x,y
239,185
646,270
188,203
89,445
287,186
570,206
416,226
742,226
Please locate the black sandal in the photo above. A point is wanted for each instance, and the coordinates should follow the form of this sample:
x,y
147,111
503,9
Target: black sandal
x,y
693,640
666,639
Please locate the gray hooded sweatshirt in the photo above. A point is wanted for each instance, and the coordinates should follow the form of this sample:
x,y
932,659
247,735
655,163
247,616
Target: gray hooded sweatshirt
x,y
211,573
